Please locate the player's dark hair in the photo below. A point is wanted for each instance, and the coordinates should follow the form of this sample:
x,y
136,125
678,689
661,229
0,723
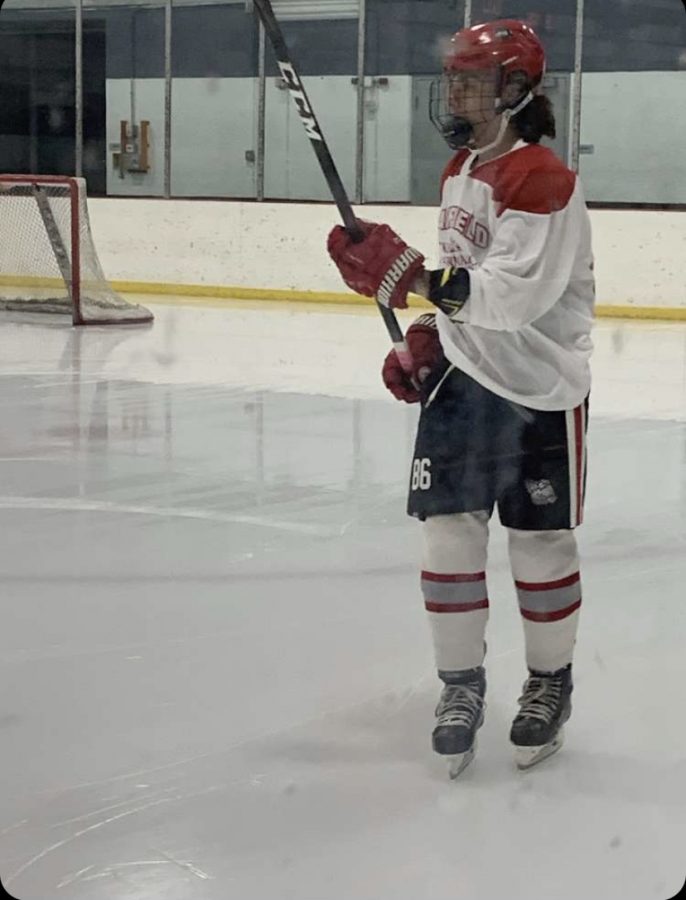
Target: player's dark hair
x,y
535,120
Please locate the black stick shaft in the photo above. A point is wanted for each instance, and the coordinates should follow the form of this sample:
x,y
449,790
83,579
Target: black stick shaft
x,y
319,145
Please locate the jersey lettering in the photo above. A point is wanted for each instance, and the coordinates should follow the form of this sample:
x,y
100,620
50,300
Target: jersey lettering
x,y
464,222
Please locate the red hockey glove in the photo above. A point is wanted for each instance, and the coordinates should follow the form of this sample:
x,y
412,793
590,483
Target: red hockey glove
x,y
426,351
382,265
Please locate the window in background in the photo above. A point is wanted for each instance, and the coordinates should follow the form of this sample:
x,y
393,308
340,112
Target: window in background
x,y
624,36
405,36
37,90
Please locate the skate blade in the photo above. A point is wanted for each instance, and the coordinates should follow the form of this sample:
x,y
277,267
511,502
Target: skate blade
x,y
526,757
459,762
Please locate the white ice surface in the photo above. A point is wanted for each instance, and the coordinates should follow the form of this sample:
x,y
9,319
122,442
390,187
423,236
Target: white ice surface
x,y
215,674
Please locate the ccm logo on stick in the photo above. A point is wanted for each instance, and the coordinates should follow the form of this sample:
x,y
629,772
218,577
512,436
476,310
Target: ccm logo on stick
x,y
298,93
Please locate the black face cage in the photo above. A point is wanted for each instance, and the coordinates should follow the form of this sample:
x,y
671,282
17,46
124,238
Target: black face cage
x,y
457,130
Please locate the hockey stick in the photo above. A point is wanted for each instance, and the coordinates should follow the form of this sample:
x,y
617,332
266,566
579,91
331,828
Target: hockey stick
x,y
326,163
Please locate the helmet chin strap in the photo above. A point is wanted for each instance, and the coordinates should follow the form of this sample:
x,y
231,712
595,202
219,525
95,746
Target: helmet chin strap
x,y
505,116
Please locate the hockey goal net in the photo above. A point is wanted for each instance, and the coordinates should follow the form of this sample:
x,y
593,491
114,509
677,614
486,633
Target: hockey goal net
x,y
48,260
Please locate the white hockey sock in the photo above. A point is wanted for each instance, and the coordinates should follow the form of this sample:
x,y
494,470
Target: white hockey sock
x,y
454,588
545,567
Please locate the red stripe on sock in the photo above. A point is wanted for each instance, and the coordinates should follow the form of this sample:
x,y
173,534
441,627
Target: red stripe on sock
x,y
547,585
455,607
554,616
454,579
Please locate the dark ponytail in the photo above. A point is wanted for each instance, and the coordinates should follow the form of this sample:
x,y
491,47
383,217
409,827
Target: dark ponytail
x,y
535,120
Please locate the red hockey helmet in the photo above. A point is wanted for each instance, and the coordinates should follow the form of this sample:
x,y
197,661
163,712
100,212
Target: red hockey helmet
x,y
507,44
510,51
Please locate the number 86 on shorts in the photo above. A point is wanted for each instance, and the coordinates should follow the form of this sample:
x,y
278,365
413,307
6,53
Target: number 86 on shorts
x,y
421,474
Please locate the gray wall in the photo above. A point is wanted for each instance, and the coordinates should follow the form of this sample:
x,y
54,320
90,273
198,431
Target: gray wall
x,y
214,123
635,124
629,122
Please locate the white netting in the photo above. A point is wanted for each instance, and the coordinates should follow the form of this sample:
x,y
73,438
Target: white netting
x,y
38,271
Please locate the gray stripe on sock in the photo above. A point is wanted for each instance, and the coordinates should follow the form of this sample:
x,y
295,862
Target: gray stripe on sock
x,y
549,601
454,592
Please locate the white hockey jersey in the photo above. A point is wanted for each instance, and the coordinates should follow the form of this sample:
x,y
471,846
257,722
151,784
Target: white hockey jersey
x,y
519,223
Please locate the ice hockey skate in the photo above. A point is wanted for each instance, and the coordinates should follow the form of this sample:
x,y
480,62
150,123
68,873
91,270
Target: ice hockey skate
x,y
545,705
459,714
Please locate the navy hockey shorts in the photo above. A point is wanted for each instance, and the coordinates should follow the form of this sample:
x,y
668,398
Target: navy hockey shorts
x,y
475,450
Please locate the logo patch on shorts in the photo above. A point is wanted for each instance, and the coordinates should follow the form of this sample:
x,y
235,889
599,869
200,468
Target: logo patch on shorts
x,y
541,492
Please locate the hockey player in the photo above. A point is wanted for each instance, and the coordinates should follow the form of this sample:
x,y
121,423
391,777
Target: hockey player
x,y
502,373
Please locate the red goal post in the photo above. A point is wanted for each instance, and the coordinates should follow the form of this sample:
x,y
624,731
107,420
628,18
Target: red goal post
x,y
48,259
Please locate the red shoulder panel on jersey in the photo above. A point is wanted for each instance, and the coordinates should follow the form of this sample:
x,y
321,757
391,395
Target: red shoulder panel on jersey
x,y
531,179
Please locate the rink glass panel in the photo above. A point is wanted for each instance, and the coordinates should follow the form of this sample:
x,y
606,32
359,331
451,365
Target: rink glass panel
x,y
633,80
